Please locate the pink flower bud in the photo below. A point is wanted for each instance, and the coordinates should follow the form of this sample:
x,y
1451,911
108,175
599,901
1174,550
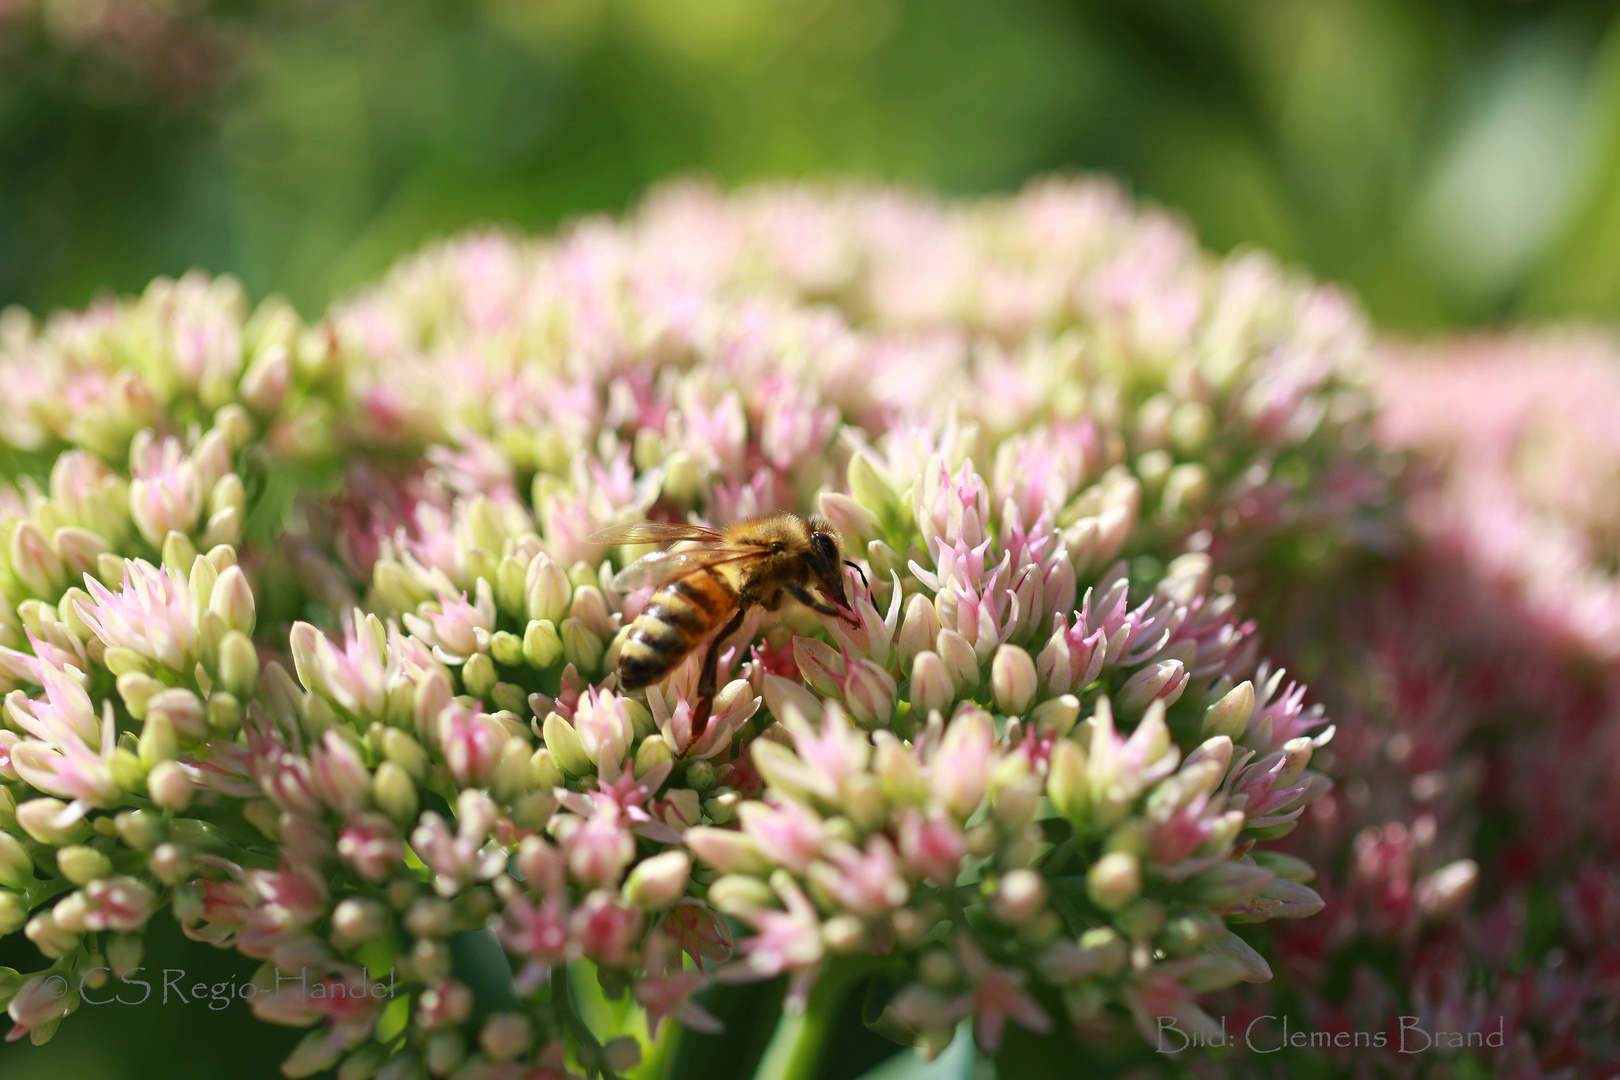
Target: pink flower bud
x,y
589,607
1027,602
371,845
506,1035
918,629
264,384
1056,716
1056,664
819,664
931,685
952,509
1020,896
169,787
582,648
153,614
603,724
565,746
1230,715
1066,782
783,695
739,895
1012,677
1162,681
960,660
1114,880
472,743
1286,900
1296,756
870,692
13,912
868,486
727,851
124,953
1151,998
658,881
1217,749
38,1003
166,494
238,665
119,904
898,771
851,518
865,882
605,929
338,773
232,600
548,590
16,868
601,848
682,808
1447,889
185,711
35,562
358,920
48,933
933,848
786,832
52,821
1058,587
211,457
80,864
960,771
792,429
1230,883
81,552
444,1004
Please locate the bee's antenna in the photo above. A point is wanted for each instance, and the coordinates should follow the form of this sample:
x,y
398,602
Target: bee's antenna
x,y
853,566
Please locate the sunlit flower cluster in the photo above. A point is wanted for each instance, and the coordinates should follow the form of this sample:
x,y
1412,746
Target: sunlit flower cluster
x,y
307,640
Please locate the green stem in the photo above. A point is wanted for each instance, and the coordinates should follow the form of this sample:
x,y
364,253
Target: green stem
x,y
796,1047
590,1049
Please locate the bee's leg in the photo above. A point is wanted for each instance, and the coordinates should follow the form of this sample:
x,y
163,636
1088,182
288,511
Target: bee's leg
x,y
706,679
855,567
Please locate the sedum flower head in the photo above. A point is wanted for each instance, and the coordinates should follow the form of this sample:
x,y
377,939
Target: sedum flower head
x,y
1036,766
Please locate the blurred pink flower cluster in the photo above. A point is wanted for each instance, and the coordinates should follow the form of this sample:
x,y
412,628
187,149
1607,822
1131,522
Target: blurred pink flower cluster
x,y
1476,827
1522,434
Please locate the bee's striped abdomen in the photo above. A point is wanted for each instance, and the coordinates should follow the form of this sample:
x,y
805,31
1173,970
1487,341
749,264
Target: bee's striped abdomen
x,y
679,616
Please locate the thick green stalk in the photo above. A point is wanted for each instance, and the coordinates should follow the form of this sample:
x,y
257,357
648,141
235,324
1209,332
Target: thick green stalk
x,y
796,1048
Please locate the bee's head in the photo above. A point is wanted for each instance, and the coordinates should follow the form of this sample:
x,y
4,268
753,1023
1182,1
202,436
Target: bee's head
x,y
826,562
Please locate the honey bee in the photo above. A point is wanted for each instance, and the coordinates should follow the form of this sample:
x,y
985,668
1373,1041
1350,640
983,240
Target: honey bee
x,y
705,590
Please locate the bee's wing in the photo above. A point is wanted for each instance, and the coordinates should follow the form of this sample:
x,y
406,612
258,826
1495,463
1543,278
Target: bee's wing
x,y
650,532
662,567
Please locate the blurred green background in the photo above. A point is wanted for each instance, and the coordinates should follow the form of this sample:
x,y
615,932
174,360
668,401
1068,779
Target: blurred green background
x,y
1455,161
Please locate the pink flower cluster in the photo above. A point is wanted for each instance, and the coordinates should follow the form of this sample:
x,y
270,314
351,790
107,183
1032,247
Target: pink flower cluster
x,y
308,641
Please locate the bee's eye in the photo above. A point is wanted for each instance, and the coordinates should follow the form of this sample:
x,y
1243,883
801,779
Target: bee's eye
x,y
778,547
824,548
